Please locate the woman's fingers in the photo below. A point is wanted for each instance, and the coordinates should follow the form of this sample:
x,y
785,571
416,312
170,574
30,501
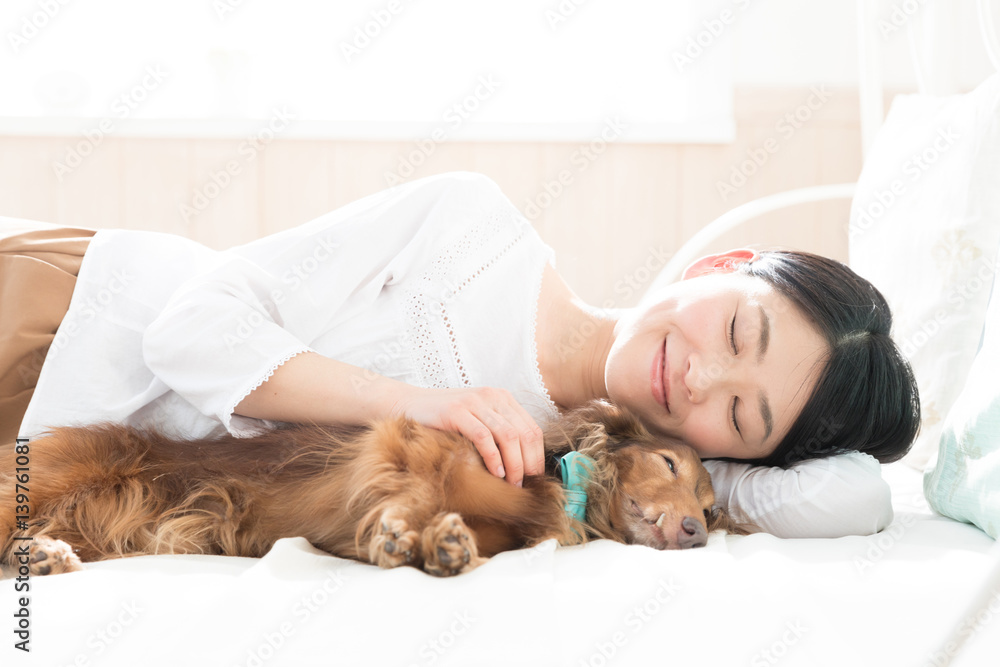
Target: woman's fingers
x,y
519,440
503,432
529,439
508,441
510,447
473,428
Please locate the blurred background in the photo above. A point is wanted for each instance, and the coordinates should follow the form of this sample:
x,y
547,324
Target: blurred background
x,y
618,128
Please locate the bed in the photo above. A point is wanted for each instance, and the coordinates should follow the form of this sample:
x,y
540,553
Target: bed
x,y
925,591
887,599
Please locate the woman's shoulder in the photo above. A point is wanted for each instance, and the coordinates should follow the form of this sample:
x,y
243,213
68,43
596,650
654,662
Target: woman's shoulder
x,y
465,195
485,232
446,194
469,181
410,218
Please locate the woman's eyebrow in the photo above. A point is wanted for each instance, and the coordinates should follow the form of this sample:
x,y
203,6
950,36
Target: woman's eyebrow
x,y
762,341
765,413
765,334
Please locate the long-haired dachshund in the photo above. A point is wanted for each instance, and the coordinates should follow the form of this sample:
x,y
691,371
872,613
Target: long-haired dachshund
x,y
392,493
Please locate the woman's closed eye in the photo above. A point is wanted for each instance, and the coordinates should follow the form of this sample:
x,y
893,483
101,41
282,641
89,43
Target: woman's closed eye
x,y
732,343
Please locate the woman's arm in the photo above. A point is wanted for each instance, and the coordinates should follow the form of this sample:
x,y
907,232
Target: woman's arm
x,y
237,322
311,388
235,340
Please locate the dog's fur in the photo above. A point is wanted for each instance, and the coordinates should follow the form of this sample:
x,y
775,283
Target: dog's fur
x,y
392,493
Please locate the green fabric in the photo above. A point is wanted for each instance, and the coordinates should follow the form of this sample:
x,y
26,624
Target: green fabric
x,y
575,469
965,482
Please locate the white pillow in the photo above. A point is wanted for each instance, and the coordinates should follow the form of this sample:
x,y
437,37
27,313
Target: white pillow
x,y
965,483
924,225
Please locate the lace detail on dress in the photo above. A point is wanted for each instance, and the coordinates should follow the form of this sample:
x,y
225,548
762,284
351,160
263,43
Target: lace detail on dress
x,y
427,300
539,380
227,418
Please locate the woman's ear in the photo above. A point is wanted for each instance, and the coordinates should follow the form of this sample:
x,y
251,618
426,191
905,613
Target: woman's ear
x,y
725,262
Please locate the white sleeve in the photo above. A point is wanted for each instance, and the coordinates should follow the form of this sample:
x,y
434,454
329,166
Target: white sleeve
x,y
225,331
831,497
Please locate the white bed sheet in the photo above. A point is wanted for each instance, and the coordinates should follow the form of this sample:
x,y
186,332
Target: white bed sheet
x,y
758,600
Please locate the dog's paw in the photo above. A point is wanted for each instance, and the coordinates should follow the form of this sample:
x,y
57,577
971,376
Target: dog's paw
x,y
394,543
449,546
49,556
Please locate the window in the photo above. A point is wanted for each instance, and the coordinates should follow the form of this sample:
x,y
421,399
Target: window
x,y
392,69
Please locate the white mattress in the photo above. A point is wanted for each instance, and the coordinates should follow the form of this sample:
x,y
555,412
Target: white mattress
x,y
883,600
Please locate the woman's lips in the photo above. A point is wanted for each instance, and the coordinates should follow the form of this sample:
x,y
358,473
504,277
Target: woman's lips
x,y
658,377
666,376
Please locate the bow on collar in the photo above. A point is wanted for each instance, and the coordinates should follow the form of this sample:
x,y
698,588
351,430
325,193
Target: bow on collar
x,y
574,470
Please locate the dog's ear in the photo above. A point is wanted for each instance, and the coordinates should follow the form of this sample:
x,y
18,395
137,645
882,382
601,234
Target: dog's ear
x,y
595,425
574,431
619,424
591,436
721,519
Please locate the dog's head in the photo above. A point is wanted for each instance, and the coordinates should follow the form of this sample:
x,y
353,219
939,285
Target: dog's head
x,y
645,489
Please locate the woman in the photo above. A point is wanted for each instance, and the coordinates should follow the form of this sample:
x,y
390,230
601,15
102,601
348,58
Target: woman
x,y
438,301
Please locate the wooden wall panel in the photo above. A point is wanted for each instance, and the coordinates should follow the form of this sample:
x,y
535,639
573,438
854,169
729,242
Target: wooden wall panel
x,y
92,192
296,183
157,183
226,189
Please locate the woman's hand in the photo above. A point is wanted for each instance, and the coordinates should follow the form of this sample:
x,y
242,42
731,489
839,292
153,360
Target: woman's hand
x,y
505,435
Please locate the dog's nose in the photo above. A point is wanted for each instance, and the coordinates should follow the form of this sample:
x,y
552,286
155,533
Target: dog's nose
x,y
692,534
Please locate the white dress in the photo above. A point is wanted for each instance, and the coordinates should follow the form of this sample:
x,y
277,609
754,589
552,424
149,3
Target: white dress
x,y
434,283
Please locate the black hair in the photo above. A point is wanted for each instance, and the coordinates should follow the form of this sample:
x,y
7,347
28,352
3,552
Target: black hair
x,y
865,398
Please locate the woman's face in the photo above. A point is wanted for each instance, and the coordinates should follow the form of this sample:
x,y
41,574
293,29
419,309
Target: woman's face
x,y
722,361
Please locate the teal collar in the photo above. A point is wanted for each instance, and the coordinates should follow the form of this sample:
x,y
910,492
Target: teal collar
x,y
574,470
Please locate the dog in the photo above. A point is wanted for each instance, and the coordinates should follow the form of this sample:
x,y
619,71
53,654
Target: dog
x,y
392,493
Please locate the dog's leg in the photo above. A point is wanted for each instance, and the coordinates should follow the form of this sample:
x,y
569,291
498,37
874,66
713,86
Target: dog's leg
x,y
83,492
394,543
23,543
449,547
49,556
